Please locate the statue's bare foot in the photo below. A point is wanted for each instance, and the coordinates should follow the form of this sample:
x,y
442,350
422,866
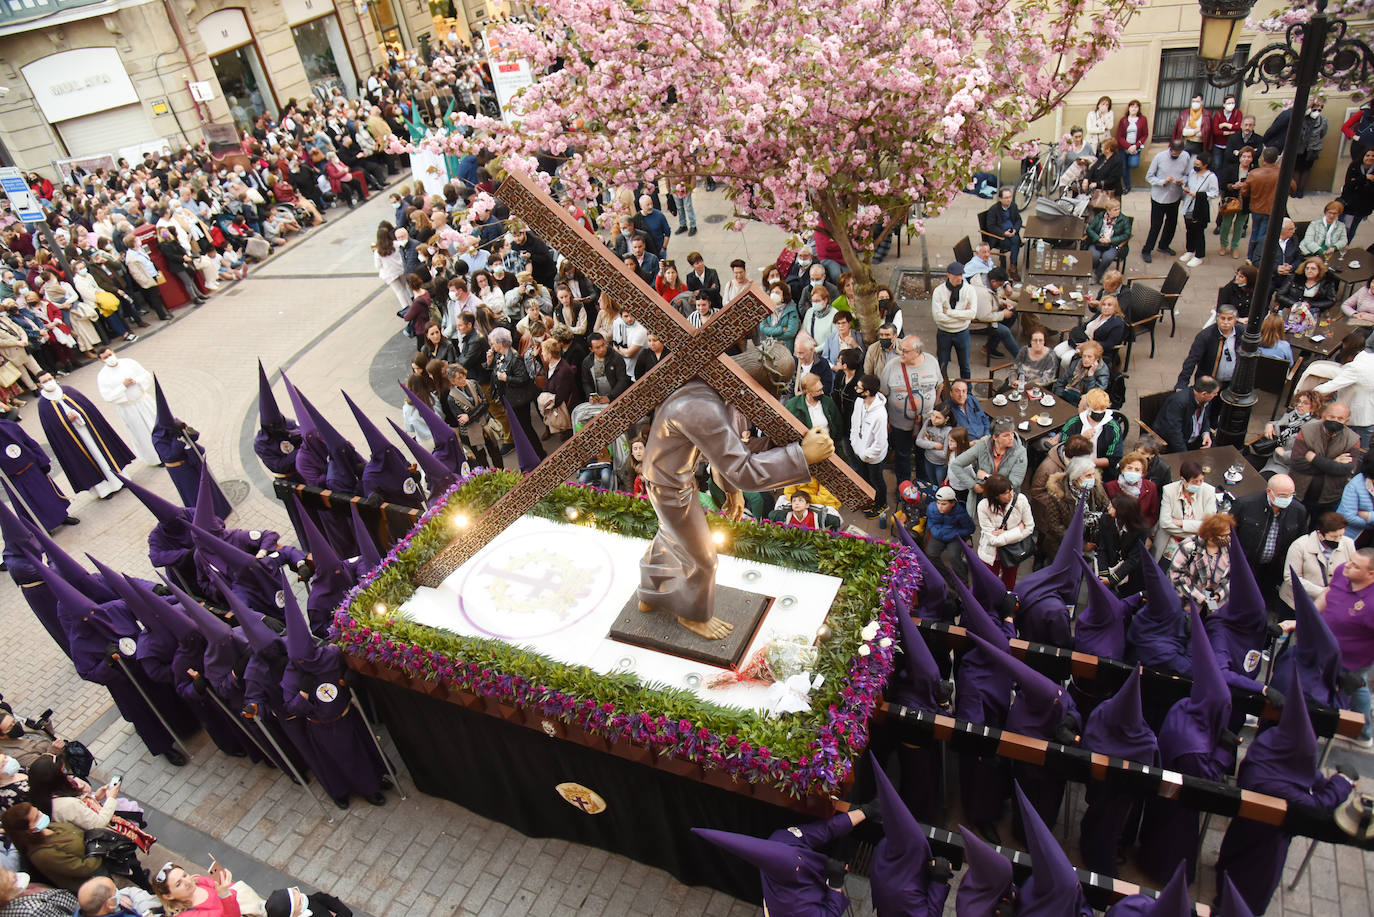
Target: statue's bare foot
x,y
712,629
645,606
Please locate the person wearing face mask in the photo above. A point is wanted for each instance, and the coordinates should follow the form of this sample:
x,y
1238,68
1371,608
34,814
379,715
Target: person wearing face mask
x,y
292,902
882,351
81,439
1132,482
782,323
1315,557
100,898
1102,426
1200,569
21,898
1200,190
1183,504
1226,122
1055,508
1267,525
1314,127
14,783
124,383
1325,455
1194,127
56,849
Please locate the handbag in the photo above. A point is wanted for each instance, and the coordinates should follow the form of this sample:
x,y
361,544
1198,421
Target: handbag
x,y
1012,555
1228,206
9,374
556,418
106,303
1101,198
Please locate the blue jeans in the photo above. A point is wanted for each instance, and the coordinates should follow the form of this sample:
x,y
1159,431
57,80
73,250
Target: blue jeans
x,y
935,474
686,213
1258,231
959,341
900,445
1364,432
1132,160
1000,335
1102,260
1359,701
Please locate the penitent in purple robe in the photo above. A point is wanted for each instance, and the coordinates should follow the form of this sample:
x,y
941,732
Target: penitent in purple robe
x,y
22,563
1117,729
387,474
1047,594
1314,651
932,599
791,865
332,580
917,684
1283,762
901,887
69,448
1053,889
26,466
278,437
93,630
340,750
987,886
1172,901
183,463
1190,741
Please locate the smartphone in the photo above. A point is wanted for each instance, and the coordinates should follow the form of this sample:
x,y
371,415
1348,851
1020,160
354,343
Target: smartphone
x,y
115,781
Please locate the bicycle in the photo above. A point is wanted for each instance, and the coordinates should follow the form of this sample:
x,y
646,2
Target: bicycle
x,y
1040,178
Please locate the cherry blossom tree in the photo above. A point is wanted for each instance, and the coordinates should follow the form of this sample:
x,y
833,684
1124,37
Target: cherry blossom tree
x,y
846,112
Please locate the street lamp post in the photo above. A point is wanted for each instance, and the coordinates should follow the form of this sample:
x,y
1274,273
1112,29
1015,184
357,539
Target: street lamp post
x,y
1316,48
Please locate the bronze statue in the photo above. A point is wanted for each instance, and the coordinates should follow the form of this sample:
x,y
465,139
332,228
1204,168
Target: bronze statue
x,y
678,572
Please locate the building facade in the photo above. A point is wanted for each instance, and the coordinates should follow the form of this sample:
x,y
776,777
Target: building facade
x,y
86,78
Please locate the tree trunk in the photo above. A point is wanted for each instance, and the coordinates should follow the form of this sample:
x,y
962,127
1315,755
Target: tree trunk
x,y
865,307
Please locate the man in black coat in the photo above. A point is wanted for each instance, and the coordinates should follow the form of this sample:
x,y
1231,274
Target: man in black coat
x,y
1242,138
1267,524
1287,256
472,350
1189,416
543,263
1215,350
603,373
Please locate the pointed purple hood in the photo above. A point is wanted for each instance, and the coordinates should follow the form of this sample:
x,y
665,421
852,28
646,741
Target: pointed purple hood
x,y
922,676
303,417
524,449
1052,889
438,477
1233,903
983,687
990,591
447,447
898,874
173,518
987,880
1284,757
71,571
1040,704
1193,725
225,557
1240,625
1172,901
205,516
786,865
222,645
1315,652
169,616
12,528
1100,628
1157,633
1057,581
934,590
301,645
368,558
157,614
259,636
73,606
387,472
329,567
269,415
166,420
1117,728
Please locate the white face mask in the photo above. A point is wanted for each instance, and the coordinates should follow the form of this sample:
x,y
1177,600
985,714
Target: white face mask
x,y
1197,106
21,881
50,385
777,297
112,360
1229,107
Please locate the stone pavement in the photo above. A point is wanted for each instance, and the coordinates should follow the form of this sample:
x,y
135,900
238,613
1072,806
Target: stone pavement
x,y
318,311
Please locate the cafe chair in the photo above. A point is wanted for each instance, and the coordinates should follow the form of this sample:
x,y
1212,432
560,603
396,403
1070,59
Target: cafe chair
x,y
1300,230
1149,408
963,250
1169,293
1144,307
1274,376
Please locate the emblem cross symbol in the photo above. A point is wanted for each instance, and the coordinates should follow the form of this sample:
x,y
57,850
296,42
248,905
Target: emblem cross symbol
x,y
693,353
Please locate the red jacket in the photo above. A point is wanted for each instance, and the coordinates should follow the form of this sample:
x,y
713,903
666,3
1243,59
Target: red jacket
x,y
1204,124
1224,125
1142,132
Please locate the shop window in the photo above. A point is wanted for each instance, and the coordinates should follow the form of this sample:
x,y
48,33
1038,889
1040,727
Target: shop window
x,y
1182,76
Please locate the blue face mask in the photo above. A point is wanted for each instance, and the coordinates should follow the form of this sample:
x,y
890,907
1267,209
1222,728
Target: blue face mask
x,y
1283,502
1193,488
1131,477
43,822
11,767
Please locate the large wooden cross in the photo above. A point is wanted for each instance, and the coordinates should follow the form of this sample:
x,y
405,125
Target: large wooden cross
x,y
693,353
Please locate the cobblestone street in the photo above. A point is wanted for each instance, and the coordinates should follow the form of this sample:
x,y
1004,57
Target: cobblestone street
x,y
318,311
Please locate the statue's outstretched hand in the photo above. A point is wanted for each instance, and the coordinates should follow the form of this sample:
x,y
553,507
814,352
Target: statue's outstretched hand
x,y
817,446
734,506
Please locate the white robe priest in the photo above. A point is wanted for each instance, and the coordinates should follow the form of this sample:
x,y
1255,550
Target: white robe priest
x,y
125,384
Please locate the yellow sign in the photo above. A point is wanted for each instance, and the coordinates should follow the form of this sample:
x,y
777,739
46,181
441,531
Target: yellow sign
x,y
579,797
160,107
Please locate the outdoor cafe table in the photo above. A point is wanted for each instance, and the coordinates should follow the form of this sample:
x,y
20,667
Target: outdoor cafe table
x,y
1337,328
1059,413
1351,274
1214,463
1061,262
1055,318
1051,229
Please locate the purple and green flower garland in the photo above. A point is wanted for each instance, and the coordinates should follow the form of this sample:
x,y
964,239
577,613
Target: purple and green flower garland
x,y
799,754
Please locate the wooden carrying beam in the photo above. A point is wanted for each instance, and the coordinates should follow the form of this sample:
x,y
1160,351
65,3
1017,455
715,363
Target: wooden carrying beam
x,y
388,522
1058,663
1083,766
